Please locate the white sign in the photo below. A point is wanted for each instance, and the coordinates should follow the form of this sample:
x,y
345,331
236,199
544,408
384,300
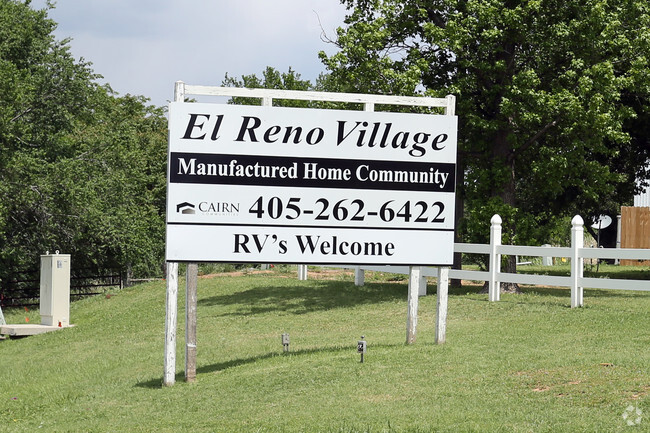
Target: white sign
x,y
270,184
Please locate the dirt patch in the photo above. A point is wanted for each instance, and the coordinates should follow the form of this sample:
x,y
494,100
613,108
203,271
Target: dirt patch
x,y
236,273
329,274
313,274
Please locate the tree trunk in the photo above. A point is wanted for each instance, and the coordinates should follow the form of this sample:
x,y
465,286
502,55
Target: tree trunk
x,y
507,193
460,212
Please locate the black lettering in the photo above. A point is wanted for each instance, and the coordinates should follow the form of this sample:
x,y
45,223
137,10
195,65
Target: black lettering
x,y
295,131
308,244
319,136
273,130
192,124
362,134
324,248
240,242
258,243
372,249
215,130
400,143
251,129
384,137
416,149
373,134
341,136
440,138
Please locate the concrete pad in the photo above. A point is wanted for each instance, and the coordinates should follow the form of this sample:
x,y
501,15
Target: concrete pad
x,y
25,330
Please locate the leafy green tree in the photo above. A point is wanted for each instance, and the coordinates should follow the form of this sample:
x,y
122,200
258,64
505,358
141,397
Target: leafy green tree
x,y
549,94
42,91
81,170
271,79
111,190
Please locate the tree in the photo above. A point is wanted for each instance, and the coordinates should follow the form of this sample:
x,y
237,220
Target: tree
x,y
81,170
548,93
110,192
291,80
271,79
42,89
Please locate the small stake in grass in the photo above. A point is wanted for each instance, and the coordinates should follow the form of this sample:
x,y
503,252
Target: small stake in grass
x,y
361,347
285,342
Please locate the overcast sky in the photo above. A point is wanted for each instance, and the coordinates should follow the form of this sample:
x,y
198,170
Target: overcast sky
x,y
142,47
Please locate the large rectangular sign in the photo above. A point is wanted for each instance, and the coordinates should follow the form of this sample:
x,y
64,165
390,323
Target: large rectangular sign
x,y
270,184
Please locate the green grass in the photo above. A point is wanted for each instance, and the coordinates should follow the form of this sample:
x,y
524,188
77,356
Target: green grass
x,y
591,271
525,364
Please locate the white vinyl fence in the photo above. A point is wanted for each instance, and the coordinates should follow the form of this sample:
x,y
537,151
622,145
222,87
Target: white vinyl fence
x,y
576,253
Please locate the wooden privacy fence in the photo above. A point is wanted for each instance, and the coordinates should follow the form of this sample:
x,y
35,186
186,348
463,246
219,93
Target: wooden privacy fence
x,y
576,253
635,231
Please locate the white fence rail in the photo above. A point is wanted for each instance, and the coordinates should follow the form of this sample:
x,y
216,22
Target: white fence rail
x,y
576,254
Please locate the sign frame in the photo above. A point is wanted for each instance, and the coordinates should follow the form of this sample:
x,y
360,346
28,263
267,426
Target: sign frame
x,y
372,201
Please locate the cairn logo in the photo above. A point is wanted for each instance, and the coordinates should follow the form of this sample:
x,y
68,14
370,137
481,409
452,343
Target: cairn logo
x,y
219,208
185,208
632,415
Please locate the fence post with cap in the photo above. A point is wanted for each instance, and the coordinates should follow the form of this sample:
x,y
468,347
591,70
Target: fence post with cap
x,y
577,242
494,288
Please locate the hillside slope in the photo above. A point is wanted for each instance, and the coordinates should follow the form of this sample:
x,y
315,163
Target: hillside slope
x,y
527,363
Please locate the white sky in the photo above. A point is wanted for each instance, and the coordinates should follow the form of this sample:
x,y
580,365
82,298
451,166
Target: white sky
x,y
142,47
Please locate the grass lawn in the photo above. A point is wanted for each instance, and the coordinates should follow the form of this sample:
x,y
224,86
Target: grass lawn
x,y
528,363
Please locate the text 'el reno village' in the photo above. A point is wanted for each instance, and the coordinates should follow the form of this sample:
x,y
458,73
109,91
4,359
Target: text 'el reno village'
x,y
379,135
